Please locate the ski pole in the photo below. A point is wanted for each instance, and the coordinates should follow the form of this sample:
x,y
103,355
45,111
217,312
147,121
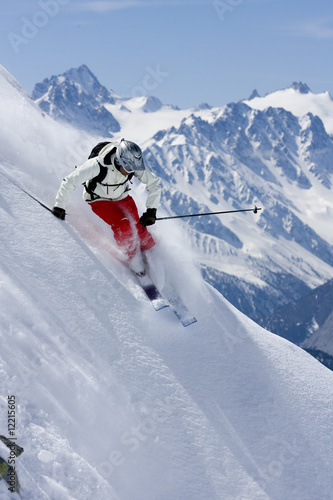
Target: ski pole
x,y
36,199
26,192
254,210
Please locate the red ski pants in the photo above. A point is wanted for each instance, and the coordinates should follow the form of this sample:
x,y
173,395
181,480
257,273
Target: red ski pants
x,y
123,218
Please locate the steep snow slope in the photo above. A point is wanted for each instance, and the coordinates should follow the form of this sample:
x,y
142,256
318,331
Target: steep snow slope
x,y
117,401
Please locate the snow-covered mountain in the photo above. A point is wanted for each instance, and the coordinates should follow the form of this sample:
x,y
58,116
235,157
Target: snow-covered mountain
x,y
307,322
298,320
115,400
299,100
234,158
322,338
76,97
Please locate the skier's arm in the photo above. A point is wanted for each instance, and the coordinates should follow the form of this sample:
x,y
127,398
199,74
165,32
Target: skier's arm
x,y
154,189
80,175
153,185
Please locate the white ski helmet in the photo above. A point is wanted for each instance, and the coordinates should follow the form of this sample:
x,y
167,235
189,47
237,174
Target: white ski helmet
x,y
129,156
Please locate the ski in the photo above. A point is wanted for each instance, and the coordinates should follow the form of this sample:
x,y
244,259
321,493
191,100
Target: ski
x,y
178,307
182,313
152,293
170,298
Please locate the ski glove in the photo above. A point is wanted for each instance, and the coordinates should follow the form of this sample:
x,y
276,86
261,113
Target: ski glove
x,y
148,218
59,212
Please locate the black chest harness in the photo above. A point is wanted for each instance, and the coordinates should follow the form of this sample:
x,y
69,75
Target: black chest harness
x,y
91,185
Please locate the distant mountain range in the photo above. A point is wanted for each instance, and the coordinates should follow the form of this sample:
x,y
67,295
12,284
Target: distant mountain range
x,y
275,152
299,100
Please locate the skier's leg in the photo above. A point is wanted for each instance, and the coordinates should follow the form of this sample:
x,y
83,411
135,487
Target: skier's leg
x,y
115,214
146,241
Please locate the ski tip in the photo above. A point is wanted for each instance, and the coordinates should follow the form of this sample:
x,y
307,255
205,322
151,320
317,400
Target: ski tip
x,y
188,322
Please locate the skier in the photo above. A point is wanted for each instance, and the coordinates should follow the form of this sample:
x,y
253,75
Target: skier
x,y
106,180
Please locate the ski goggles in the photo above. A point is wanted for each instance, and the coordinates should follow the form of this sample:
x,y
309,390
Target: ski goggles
x,y
121,163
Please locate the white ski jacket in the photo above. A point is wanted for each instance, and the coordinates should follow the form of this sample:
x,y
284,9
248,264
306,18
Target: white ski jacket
x,y
112,187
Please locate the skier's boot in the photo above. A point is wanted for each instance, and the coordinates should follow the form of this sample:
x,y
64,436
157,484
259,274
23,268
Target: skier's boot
x,y
136,264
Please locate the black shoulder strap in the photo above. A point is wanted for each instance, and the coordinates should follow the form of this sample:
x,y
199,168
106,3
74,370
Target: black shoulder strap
x,y
91,185
102,174
128,178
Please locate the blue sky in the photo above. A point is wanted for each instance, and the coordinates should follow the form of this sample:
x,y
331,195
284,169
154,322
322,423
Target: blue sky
x,y
184,52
